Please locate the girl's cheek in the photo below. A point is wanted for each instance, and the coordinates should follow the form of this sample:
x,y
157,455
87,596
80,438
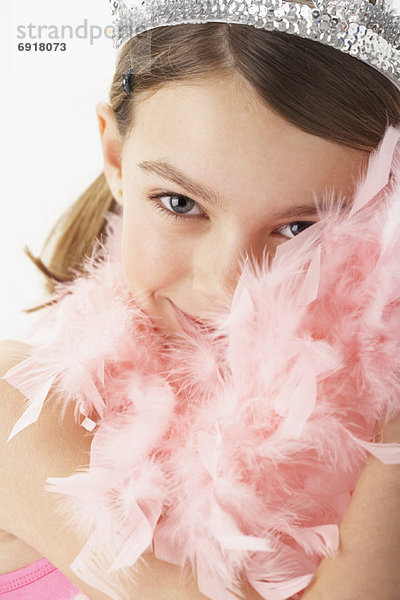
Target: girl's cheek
x,y
154,255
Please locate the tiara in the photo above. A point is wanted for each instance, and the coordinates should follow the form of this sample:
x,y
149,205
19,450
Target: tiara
x,y
356,27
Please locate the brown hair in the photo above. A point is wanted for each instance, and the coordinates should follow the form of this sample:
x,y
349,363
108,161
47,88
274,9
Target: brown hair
x,y
317,88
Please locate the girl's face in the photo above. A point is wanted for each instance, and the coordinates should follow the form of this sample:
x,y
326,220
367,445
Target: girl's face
x,y
209,174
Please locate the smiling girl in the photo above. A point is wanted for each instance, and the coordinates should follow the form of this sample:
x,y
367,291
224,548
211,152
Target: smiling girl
x,y
208,173
215,152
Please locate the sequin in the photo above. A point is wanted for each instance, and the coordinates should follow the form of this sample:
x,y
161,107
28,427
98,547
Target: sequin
x,y
356,27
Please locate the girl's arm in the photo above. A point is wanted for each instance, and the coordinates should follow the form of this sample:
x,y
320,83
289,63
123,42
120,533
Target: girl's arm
x,y
367,566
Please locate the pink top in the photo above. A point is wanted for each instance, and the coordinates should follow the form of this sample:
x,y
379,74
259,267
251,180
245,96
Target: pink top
x,y
38,581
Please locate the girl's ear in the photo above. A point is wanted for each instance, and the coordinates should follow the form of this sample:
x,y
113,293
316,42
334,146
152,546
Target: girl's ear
x,y
112,148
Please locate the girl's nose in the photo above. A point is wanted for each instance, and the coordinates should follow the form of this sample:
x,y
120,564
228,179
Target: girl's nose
x,y
219,263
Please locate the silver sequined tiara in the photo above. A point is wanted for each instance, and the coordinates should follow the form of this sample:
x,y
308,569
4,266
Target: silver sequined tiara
x,y
356,27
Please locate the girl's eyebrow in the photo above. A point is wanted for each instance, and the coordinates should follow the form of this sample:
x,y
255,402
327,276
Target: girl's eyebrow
x,y
167,171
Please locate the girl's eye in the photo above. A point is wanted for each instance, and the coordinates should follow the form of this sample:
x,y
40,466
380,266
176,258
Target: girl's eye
x,y
293,229
177,205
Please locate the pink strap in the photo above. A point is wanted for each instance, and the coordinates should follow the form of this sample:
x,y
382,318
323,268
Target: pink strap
x,y
45,582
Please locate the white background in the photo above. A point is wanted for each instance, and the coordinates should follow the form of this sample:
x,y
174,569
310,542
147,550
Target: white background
x,y
50,145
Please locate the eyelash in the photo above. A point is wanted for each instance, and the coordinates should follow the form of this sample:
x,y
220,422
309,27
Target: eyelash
x,y
156,197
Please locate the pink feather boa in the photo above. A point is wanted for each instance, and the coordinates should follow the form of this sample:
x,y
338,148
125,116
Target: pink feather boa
x,y
235,449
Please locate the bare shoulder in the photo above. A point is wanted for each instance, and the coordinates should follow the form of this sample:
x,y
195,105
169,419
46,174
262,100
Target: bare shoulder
x,y
51,447
13,403
14,553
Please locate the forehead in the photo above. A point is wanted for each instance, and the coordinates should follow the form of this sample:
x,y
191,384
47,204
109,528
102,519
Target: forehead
x,y
221,132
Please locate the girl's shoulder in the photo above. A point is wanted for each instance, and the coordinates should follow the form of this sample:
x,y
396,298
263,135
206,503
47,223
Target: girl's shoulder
x,y
12,404
50,447
14,553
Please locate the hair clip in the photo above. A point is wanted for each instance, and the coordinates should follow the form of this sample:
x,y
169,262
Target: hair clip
x,y
127,81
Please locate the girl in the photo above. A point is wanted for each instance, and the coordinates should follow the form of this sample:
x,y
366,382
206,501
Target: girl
x,y
214,150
